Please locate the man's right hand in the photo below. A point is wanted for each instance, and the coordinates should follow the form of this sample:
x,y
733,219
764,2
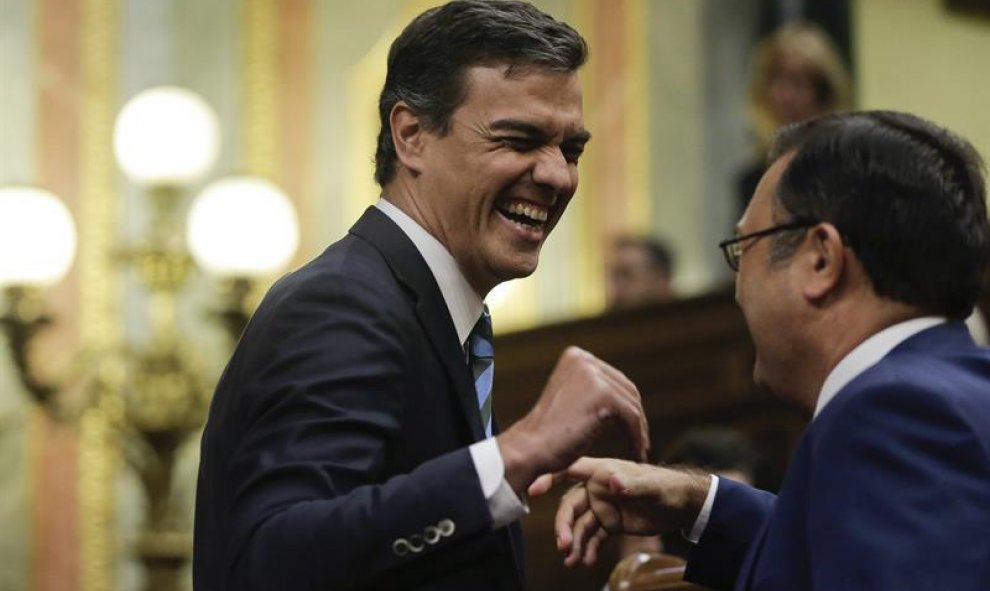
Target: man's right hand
x,y
581,397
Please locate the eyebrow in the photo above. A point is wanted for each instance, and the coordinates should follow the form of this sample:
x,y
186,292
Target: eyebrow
x,y
535,131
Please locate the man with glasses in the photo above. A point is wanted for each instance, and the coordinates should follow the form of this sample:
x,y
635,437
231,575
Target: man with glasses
x,y
864,247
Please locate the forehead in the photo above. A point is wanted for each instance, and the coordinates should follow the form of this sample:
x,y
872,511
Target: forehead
x,y
793,64
551,100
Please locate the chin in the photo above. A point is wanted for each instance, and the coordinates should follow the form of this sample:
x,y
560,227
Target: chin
x,y
517,267
761,379
517,272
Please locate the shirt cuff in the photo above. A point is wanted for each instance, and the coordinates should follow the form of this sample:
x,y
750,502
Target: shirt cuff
x,y
503,503
706,511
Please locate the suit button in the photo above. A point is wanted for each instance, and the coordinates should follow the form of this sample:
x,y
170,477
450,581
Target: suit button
x,y
400,547
431,534
446,528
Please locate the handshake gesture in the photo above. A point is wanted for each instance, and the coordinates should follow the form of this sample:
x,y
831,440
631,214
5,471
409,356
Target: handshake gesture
x,y
582,395
620,497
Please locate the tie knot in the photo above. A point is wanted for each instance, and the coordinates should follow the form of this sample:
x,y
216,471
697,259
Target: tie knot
x,y
480,343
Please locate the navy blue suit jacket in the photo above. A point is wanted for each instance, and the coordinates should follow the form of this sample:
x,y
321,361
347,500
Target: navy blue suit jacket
x,y
335,454
889,489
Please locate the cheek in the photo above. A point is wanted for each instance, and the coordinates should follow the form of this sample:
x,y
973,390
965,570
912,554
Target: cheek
x,y
565,201
742,292
753,313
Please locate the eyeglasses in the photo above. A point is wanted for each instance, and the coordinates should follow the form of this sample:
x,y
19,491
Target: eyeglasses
x,y
733,248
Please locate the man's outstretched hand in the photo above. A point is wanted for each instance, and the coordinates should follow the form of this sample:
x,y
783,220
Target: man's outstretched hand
x,y
620,497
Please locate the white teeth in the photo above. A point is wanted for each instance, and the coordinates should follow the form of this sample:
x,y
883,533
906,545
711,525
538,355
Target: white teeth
x,y
531,211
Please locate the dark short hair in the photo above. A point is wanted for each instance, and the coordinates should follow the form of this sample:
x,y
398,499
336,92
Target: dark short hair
x,y
428,60
660,255
906,195
714,448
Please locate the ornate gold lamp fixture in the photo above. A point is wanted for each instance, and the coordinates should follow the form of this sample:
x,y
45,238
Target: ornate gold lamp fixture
x,y
241,228
164,139
37,245
238,229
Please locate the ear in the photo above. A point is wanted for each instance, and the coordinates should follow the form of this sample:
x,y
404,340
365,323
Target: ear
x,y
823,262
408,136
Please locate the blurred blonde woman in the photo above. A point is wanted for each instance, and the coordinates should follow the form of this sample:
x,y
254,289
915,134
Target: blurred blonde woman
x,y
796,74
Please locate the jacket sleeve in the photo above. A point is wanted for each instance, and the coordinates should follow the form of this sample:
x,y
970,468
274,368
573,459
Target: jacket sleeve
x,y
900,495
324,381
737,515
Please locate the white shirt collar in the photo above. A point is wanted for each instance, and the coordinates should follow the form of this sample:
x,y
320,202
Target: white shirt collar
x,y
463,303
868,353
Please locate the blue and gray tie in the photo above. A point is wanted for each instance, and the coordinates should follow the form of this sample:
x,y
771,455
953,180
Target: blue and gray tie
x,y
481,356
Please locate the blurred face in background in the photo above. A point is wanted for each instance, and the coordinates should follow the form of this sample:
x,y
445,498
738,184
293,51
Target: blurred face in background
x,y
792,93
634,279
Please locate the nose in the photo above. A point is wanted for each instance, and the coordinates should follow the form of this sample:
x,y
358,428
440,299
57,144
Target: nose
x,y
554,172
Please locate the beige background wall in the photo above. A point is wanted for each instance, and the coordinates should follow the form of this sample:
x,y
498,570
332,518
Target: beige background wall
x,y
915,56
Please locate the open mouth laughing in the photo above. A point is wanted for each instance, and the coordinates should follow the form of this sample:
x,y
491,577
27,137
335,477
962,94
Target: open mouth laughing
x,y
525,213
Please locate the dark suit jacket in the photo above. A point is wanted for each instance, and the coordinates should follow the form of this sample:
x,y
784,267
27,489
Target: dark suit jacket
x,y
335,452
889,489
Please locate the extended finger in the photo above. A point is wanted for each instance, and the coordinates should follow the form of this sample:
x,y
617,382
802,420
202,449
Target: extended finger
x,y
544,483
585,467
592,547
573,504
585,528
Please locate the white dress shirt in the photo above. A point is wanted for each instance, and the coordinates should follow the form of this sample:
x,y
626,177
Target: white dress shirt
x,y
465,307
864,356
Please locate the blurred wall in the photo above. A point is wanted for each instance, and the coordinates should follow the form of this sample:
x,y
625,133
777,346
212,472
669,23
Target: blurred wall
x,y
919,57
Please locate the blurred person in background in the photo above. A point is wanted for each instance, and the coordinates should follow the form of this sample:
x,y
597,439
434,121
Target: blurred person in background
x,y
796,74
640,272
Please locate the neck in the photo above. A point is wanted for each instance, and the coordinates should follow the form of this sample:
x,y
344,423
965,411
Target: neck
x,y
401,192
843,328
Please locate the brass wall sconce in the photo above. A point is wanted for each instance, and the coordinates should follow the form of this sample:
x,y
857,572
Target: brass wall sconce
x,y
238,230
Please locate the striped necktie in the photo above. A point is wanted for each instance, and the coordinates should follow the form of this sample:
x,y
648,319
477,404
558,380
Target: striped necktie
x,y
481,357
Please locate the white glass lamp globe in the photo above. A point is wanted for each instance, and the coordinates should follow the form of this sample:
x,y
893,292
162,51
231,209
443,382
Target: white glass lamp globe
x,y
37,237
166,136
242,226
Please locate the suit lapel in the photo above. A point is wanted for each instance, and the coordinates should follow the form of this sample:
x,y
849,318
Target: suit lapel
x,y
412,271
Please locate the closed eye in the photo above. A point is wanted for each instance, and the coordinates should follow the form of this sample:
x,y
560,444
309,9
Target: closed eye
x,y
520,144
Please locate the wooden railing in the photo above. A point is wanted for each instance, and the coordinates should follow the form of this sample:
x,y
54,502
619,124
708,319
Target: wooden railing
x,y
650,572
